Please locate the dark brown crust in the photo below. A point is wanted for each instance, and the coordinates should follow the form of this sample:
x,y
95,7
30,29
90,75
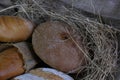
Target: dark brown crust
x,y
53,44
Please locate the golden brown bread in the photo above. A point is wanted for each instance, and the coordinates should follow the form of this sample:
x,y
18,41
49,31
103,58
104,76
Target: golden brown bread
x,y
14,29
11,63
46,75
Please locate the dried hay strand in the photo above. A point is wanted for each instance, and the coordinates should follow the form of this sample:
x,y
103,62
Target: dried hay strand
x,y
100,45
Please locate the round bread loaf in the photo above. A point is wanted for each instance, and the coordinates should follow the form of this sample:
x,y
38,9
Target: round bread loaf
x,y
54,42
